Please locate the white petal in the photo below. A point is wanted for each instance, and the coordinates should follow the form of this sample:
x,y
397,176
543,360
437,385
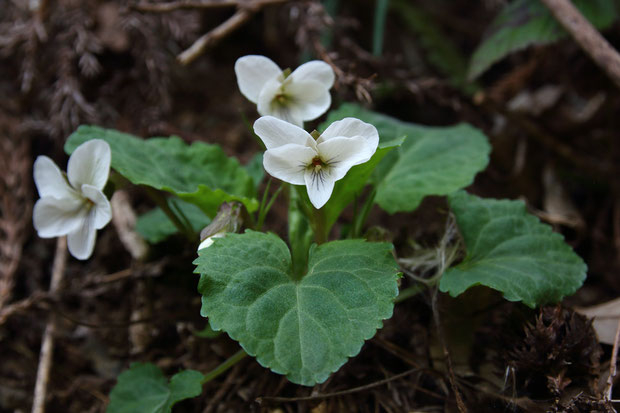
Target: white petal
x,y
269,105
90,164
316,70
53,217
253,72
310,98
81,242
350,127
289,162
102,208
343,153
275,132
50,181
207,242
319,186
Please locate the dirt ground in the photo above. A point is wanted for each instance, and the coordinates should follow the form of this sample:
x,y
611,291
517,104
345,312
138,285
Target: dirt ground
x,y
69,62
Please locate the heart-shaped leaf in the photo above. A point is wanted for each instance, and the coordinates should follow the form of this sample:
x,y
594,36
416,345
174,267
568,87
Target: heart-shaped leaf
x,y
199,173
144,388
511,251
431,160
302,327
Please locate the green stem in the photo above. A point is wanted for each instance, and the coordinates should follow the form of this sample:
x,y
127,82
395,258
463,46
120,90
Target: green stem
x,y
409,292
319,223
181,215
162,203
381,8
362,215
231,361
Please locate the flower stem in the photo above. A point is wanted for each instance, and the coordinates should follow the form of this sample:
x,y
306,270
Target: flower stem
x,y
409,292
231,361
299,231
362,215
162,203
319,223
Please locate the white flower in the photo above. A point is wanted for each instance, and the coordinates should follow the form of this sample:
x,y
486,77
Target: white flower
x,y
76,207
207,242
303,95
294,156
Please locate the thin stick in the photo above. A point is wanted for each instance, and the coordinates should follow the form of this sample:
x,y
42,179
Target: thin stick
x,y
588,38
47,345
245,10
612,364
215,35
338,393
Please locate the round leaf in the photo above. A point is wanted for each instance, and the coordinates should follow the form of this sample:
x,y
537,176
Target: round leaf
x,y
511,251
304,328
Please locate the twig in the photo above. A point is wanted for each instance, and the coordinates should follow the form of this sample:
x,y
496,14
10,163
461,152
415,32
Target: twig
x,y
338,393
245,10
22,305
47,345
215,35
590,40
612,364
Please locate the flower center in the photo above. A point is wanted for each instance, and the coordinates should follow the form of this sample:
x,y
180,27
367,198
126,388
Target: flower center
x,y
281,98
317,164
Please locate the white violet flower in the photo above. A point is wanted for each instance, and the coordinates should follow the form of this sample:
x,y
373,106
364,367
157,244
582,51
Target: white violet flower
x,y
294,156
294,97
207,242
74,205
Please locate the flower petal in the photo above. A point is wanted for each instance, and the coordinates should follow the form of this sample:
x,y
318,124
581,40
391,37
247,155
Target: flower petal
x,y
253,72
350,127
50,181
102,208
310,98
207,242
90,164
319,186
288,162
53,217
268,105
316,70
343,153
275,132
81,242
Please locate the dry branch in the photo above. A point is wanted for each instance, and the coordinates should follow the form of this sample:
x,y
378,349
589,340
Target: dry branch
x,y
590,40
245,10
47,344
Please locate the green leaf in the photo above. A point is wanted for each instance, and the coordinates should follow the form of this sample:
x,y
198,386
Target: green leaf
x,y
524,23
144,388
431,161
512,252
303,328
154,226
199,173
